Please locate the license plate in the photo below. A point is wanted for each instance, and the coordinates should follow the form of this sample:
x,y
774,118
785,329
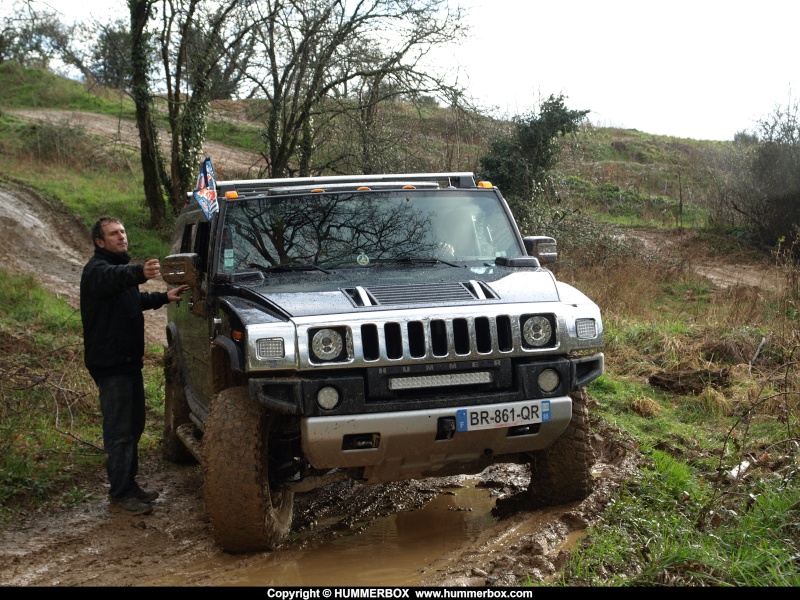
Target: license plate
x,y
503,415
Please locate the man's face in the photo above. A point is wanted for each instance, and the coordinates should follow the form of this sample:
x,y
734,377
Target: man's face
x,y
114,238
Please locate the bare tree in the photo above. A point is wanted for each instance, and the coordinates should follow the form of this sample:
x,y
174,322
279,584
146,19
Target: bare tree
x,y
322,61
316,64
173,27
726,169
227,73
222,26
26,33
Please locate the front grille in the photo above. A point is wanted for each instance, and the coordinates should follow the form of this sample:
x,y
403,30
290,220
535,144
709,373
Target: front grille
x,y
438,338
422,337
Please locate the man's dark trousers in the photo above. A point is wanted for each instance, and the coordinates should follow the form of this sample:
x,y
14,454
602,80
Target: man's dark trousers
x,y
122,403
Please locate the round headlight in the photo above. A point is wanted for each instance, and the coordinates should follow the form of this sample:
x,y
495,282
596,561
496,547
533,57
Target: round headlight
x,y
327,397
327,344
548,380
537,331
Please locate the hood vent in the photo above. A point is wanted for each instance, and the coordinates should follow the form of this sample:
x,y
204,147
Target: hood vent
x,y
390,295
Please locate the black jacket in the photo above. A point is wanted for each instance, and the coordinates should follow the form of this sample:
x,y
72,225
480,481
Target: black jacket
x,y
111,312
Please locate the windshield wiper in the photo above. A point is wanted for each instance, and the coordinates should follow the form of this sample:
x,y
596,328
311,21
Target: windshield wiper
x,y
415,260
287,268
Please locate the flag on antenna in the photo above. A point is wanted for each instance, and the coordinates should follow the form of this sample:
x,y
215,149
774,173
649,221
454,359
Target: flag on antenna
x,y
205,192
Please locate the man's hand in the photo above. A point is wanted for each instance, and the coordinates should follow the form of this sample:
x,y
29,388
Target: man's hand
x,y
152,268
176,293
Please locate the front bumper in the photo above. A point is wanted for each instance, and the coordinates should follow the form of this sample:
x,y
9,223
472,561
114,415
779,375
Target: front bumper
x,y
374,391
416,444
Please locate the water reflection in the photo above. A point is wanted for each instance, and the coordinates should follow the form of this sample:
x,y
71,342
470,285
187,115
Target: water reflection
x,y
395,550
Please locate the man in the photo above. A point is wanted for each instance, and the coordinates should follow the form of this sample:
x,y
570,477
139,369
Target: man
x,y
113,340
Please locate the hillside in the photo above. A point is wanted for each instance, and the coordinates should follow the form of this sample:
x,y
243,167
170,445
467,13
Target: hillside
x,y
627,175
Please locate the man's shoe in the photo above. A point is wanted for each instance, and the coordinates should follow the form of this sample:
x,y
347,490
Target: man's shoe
x,y
133,505
144,495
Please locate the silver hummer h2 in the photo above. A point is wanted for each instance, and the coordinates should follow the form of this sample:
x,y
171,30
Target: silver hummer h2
x,y
373,328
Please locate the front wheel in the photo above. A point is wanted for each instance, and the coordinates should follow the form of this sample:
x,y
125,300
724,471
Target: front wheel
x,y
247,512
562,473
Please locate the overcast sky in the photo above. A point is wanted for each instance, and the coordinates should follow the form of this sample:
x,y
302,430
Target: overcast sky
x,y
701,69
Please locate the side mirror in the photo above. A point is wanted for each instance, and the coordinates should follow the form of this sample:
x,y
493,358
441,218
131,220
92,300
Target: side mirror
x,y
181,269
542,247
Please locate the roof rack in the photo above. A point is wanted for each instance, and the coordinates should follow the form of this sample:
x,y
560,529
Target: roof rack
x,y
260,187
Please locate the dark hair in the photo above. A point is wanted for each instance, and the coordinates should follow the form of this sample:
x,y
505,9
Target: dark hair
x,y
97,228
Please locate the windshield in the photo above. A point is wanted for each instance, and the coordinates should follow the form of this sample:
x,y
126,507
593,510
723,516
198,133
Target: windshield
x,y
362,229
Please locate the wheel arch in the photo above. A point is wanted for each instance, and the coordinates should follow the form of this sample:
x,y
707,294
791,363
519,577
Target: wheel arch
x,y
226,365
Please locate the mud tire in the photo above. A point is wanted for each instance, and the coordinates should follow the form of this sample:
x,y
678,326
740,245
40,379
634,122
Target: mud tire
x,y
176,410
562,473
246,514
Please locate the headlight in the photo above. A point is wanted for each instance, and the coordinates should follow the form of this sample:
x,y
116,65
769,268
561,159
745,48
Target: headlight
x,y
327,344
537,331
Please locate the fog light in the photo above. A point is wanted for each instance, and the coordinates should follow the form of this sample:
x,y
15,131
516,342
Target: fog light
x,y
327,397
327,344
548,380
537,331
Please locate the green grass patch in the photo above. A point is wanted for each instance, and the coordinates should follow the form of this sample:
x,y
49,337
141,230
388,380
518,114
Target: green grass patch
x,y
47,435
25,303
661,530
23,87
246,137
51,440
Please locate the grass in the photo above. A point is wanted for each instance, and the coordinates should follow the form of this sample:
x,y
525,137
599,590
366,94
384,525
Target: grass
x,y
680,521
683,520
36,88
50,420
659,531
48,434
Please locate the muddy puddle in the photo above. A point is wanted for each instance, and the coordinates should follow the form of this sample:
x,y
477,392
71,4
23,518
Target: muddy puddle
x,y
393,550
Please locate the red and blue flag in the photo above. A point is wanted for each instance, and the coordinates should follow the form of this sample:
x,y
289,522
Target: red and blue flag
x,y
205,192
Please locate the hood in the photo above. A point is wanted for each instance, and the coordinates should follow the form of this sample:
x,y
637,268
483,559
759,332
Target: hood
x,y
318,293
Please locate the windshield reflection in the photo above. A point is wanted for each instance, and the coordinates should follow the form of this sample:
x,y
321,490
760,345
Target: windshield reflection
x,y
355,229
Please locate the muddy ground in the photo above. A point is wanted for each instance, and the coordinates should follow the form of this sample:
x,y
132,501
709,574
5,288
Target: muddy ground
x,y
93,545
